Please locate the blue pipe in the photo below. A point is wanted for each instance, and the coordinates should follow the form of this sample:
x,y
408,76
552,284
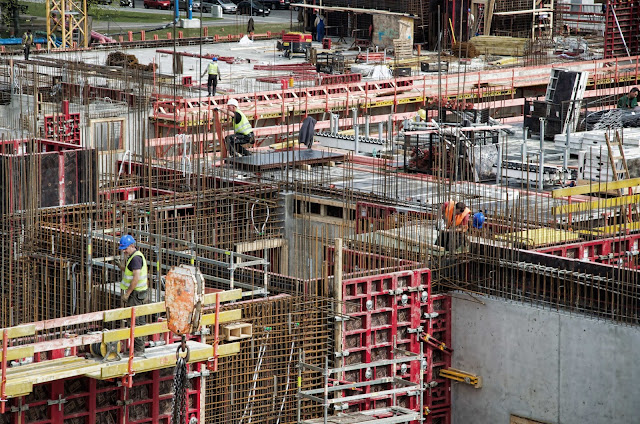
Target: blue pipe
x,y
17,41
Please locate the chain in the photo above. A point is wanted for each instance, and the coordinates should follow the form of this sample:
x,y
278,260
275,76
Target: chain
x,y
180,385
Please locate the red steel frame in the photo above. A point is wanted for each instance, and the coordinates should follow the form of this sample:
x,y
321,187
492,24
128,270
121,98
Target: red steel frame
x,y
63,127
616,251
391,306
98,399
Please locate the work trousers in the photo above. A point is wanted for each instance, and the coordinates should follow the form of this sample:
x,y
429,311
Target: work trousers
x,y
212,83
27,50
234,143
138,298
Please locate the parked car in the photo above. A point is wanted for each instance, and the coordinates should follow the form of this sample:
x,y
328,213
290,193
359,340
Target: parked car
x,y
227,6
157,4
195,6
277,4
253,8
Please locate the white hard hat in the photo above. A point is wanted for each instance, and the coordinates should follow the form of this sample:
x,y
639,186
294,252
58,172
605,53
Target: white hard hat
x,y
232,102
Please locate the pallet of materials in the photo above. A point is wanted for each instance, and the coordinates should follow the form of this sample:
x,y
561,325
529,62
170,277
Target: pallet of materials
x,y
594,141
499,46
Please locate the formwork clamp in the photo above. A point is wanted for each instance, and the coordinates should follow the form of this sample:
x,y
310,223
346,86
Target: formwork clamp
x,y
342,354
417,330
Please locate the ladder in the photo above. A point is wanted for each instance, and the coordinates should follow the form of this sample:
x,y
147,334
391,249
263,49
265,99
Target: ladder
x,y
479,26
617,172
553,84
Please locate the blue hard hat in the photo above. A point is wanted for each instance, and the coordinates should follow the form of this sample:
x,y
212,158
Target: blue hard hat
x,y
126,241
478,220
215,59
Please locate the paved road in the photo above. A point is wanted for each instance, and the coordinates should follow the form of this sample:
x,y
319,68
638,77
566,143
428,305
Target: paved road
x,y
276,16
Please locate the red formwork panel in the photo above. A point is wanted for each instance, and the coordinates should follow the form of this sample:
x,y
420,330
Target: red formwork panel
x,y
86,400
439,327
438,416
381,309
616,251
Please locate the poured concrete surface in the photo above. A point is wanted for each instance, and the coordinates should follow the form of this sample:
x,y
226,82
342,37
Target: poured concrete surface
x,y
543,365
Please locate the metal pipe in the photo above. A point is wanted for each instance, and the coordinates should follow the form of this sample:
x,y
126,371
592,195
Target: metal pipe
x,y
354,115
541,157
366,125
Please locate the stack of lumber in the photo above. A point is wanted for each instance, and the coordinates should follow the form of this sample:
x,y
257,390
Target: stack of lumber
x,y
402,48
500,46
127,60
464,49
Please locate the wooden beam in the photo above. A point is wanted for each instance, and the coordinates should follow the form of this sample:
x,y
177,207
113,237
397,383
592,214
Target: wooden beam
x,y
595,188
18,352
161,327
159,307
596,204
19,331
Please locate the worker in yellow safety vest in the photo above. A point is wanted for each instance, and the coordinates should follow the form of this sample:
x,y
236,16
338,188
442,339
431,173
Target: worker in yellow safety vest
x,y
242,131
134,284
214,74
456,216
27,41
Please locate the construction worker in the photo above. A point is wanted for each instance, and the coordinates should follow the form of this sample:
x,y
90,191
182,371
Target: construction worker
x,y
456,217
214,73
629,101
133,287
243,133
27,41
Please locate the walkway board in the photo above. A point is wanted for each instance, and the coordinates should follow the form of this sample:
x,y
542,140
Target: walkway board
x,y
274,160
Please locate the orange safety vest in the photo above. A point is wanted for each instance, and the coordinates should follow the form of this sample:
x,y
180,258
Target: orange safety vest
x,y
449,211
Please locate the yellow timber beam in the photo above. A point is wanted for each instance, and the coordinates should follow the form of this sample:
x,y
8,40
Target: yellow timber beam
x,y
159,307
161,327
19,331
595,188
596,204
462,377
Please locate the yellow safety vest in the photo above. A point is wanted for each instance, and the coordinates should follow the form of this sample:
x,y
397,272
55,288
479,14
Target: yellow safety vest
x,y
213,69
128,274
244,126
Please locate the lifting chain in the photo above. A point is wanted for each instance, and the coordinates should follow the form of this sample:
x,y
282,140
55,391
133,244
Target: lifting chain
x,y
180,384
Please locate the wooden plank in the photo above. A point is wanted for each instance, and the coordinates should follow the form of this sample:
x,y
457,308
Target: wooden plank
x,y
596,204
198,352
38,365
57,371
225,316
18,352
142,310
225,296
140,331
159,307
19,331
161,327
595,188
18,389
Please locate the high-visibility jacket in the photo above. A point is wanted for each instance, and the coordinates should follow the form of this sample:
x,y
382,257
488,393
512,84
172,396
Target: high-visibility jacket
x,y
244,126
452,217
27,39
127,278
212,69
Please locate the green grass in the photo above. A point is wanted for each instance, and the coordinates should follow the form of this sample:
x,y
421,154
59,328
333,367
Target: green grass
x,y
217,30
125,15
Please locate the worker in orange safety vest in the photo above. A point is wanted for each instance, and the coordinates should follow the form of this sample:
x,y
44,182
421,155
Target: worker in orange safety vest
x,y
456,216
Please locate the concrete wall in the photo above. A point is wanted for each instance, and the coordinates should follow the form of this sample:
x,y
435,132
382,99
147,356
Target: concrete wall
x,y
543,365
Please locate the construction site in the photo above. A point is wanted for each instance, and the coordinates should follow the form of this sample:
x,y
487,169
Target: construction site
x,y
324,276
